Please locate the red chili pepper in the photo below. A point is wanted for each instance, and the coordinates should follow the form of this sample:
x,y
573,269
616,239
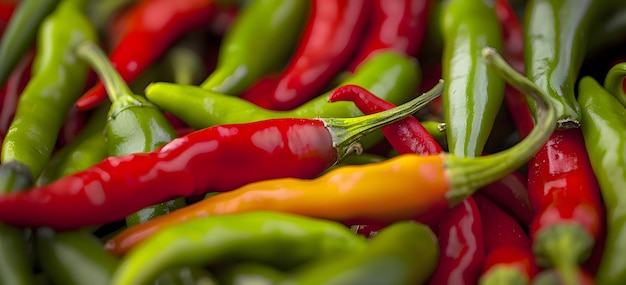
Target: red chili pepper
x,y
399,25
12,90
405,136
562,187
152,26
218,158
461,243
511,194
502,234
330,37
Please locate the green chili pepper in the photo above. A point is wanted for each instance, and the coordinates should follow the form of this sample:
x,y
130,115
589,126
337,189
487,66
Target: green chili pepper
x,y
57,81
279,239
86,149
249,273
133,125
20,33
260,41
555,39
402,253
390,76
75,257
604,132
473,91
614,82
15,261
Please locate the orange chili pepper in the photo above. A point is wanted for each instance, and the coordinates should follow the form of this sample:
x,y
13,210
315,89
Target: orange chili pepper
x,y
403,187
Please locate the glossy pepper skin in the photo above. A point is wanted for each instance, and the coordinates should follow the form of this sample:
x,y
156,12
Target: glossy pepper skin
x,y
56,82
615,82
554,49
200,162
473,92
398,25
153,26
282,240
603,130
330,37
73,257
390,76
511,194
261,39
402,253
21,32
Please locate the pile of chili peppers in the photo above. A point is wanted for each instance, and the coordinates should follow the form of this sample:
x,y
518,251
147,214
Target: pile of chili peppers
x,y
312,142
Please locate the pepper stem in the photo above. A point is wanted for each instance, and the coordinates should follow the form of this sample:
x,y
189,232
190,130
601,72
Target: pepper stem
x,y
347,131
614,80
117,90
467,175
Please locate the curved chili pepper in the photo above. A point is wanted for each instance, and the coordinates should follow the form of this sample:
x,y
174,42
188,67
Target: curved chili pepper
x,y
554,49
615,82
260,40
134,124
21,33
603,130
503,234
388,75
279,239
399,25
473,92
119,186
153,26
460,237
74,257
402,253
352,195
13,90
330,37
55,84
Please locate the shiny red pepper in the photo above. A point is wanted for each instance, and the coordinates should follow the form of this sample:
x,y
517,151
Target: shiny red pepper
x,y
399,25
511,194
462,246
331,36
152,26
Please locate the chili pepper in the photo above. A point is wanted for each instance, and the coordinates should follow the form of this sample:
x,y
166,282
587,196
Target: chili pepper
x,y
261,40
134,124
473,92
511,194
614,82
443,179
153,26
15,260
21,33
74,257
54,86
406,136
242,273
13,89
257,237
399,25
331,36
402,253
555,276
503,234
88,148
554,49
603,126
286,147
388,75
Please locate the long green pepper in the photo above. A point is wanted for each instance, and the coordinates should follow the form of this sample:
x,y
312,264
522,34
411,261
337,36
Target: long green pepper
x,y
604,130
390,76
260,41
279,239
21,32
58,78
473,91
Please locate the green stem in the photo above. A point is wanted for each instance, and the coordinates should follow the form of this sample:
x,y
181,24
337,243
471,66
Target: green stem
x,y
347,131
614,80
469,174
